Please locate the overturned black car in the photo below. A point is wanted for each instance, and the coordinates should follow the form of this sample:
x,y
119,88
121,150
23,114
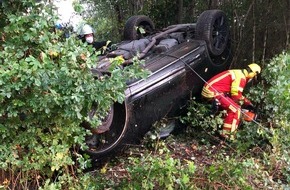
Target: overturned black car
x,y
180,59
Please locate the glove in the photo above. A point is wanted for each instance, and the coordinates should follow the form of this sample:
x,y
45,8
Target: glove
x,y
215,106
112,47
249,107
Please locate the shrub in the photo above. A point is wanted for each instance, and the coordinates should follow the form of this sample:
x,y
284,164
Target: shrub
x,y
47,89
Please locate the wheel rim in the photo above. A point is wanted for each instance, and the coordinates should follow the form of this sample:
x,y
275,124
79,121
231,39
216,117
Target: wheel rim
x,y
220,33
104,142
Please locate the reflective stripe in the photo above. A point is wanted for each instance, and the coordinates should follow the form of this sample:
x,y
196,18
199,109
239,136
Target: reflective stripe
x,y
227,127
225,132
237,77
229,130
234,125
207,92
239,113
231,107
233,74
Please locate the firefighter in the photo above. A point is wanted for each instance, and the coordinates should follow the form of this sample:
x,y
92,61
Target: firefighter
x,y
87,34
226,89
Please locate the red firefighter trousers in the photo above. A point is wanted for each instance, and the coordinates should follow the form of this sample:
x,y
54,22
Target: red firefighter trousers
x,y
232,119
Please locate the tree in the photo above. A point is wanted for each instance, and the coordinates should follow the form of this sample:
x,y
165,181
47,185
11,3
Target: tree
x,y
260,29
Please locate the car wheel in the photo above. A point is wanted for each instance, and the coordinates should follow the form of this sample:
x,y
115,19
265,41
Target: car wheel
x,y
137,27
106,139
212,27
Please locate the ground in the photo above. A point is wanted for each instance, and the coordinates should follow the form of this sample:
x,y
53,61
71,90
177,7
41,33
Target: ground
x,y
199,146
180,146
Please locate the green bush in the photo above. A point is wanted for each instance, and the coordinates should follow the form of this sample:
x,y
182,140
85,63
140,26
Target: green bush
x,y
164,173
47,89
273,97
151,171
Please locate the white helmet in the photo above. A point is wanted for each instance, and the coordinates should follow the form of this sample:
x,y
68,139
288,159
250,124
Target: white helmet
x,y
86,29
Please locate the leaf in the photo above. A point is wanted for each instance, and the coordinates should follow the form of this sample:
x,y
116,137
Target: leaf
x,y
59,155
185,179
104,169
141,30
191,166
37,82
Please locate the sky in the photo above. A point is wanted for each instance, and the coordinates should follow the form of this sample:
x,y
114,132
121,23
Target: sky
x,y
66,12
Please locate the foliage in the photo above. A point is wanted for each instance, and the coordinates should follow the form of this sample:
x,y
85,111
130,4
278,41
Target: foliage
x,y
259,146
200,115
151,170
47,89
165,173
275,100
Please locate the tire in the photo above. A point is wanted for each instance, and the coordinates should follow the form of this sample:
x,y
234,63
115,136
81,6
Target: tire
x,y
212,27
110,141
132,25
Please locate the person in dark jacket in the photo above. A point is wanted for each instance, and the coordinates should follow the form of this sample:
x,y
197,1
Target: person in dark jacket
x,y
87,35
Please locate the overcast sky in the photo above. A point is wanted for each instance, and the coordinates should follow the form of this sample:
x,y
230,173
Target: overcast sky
x,y
66,12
